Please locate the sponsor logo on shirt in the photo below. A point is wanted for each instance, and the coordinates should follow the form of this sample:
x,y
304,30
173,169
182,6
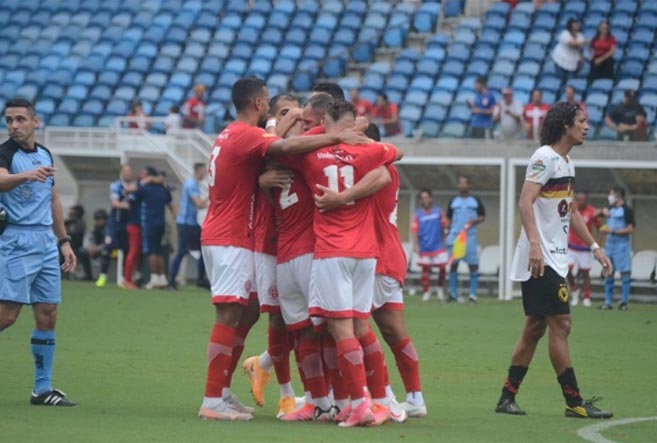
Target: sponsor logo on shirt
x,y
538,166
332,156
559,251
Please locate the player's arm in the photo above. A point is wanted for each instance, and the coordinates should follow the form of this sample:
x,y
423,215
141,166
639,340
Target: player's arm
x,y
9,181
304,144
415,230
579,227
481,214
629,223
528,196
371,183
59,228
286,123
199,202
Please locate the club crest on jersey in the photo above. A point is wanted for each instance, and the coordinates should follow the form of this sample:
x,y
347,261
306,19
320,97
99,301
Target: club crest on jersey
x,y
273,292
24,192
538,166
563,293
563,208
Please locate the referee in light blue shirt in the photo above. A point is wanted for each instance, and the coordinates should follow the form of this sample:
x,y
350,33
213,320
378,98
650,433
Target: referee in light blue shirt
x,y
34,228
189,231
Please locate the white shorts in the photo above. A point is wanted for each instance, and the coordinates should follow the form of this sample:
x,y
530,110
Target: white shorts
x,y
438,258
265,282
388,294
293,281
583,259
342,287
231,273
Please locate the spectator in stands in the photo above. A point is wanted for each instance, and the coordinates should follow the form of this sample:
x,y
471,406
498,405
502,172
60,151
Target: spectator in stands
x,y
628,119
363,107
534,114
194,109
482,110
138,118
94,243
570,96
567,54
464,212
618,229
173,120
155,198
603,47
508,113
76,228
189,230
386,114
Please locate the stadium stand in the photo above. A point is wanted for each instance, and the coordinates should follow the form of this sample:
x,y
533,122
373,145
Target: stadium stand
x,y
89,59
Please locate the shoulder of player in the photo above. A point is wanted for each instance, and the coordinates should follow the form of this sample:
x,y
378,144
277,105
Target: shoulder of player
x,y
8,149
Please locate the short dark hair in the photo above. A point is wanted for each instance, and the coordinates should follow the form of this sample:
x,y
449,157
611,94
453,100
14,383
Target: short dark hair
x,y
425,191
198,166
273,102
100,214
569,24
320,103
79,211
332,89
571,87
466,177
340,108
619,190
20,102
481,80
151,171
244,90
174,108
559,117
373,132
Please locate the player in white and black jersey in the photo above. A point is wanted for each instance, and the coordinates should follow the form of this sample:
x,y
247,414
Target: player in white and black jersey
x,y
541,261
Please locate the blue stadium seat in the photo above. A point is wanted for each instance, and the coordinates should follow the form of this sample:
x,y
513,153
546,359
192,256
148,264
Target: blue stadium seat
x,y
429,129
260,67
441,97
452,8
628,84
78,92
528,68
549,83
594,115
417,98
424,84
284,65
188,65
503,67
454,128
514,39
478,68
93,107
162,64
428,67
509,53
436,53
52,90
363,52
150,93
523,83
320,36
255,21
45,106
607,133
597,99
648,100
181,79
69,105
447,84
459,51
463,97
60,120
28,91
426,17
631,69
435,112
303,81
439,40
279,81
519,21
483,52
534,52
453,67
490,36
174,93
398,83
126,93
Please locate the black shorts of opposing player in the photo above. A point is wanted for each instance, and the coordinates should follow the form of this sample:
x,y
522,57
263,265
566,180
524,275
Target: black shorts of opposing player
x,y
545,296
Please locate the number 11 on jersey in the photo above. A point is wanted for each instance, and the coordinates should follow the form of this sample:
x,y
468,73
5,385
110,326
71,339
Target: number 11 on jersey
x,y
345,172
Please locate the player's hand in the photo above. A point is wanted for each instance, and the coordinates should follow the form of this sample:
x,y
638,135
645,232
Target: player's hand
x,y
604,229
329,200
601,257
70,261
361,124
275,179
536,264
352,137
40,174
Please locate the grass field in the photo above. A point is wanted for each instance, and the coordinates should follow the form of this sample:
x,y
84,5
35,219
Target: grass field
x,y
136,363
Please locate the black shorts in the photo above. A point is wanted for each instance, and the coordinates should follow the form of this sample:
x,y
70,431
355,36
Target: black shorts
x,y
151,238
545,296
189,238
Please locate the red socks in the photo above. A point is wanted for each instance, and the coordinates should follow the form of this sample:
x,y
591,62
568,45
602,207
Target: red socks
x,y
350,361
278,346
310,360
408,364
375,365
238,348
220,355
340,391
442,272
425,278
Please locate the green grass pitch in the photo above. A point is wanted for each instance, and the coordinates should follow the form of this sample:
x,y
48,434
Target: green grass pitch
x,y
136,363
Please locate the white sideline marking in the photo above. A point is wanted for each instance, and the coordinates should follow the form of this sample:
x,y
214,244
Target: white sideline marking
x,y
592,432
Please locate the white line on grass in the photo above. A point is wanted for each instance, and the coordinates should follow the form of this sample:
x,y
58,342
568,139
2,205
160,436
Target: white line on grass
x,y
592,432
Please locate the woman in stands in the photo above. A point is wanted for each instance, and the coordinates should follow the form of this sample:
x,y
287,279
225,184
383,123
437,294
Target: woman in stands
x,y
567,54
603,47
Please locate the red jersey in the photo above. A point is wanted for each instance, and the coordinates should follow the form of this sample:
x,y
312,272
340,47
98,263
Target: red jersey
x,y
601,46
588,215
235,163
392,258
264,227
294,210
349,230
194,108
385,113
363,107
534,115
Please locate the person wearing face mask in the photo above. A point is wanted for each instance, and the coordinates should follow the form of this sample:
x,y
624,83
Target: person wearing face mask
x,y
619,227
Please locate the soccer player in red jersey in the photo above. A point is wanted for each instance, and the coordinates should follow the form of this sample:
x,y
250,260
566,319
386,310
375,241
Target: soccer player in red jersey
x,y
194,109
388,304
227,237
579,253
345,249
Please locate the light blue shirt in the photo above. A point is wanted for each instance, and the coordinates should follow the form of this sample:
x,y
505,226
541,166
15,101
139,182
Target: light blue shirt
x,y
28,204
460,211
187,214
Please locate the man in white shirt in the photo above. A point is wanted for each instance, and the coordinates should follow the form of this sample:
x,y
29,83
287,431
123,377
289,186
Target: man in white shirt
x,y
541,261
508,113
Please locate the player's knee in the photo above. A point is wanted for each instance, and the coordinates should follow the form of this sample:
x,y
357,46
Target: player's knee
x,y
8,318
537,331
46,318
564,326
276,321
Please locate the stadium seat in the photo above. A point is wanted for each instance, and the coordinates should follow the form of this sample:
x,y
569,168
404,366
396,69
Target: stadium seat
x,y
426,17
59,120
453,129
643,267
428,67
